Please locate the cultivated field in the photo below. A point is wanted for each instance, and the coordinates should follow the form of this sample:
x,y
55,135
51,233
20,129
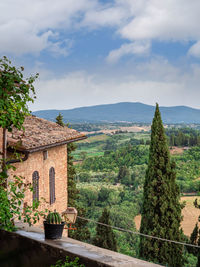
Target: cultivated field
x,y
190,215
131,129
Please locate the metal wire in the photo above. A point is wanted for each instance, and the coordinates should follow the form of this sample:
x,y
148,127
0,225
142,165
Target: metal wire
x,y
138,233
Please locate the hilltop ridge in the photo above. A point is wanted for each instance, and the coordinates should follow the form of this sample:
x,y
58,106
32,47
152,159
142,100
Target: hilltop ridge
x,y
123,111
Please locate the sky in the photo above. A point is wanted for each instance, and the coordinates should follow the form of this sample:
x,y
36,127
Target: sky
x,y
91,52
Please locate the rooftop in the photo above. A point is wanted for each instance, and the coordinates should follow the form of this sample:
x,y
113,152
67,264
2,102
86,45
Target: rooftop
x,y
40,134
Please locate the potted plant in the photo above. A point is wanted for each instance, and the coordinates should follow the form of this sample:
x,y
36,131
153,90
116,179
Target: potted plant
x,y
53,226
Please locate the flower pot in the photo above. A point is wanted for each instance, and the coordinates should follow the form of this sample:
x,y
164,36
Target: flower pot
x,y
53,231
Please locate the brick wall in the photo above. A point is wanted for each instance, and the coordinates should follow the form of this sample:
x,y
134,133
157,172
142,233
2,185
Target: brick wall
x,y
57,158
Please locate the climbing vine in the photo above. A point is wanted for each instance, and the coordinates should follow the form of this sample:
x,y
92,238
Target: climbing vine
x,y
15,93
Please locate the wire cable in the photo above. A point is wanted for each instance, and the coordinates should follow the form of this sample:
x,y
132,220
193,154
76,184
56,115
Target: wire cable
x,y
138,233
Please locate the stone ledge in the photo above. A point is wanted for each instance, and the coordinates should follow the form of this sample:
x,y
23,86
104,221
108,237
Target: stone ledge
x,y
29,248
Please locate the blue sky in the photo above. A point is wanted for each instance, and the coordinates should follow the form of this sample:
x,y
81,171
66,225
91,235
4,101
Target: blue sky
x,y
91,52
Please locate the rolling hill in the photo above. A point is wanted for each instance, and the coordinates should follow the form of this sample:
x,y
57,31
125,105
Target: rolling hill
x,y
124,111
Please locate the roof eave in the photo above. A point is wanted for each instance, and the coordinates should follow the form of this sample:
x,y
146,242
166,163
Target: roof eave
x,y
40,148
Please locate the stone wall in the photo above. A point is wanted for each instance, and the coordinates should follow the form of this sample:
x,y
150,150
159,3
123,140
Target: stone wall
x,y
57,158
27,249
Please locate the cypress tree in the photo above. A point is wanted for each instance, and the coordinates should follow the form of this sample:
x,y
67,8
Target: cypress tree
x,y
71,187
83,233
194,240
59,120
105,237
197,205
71,173
161,210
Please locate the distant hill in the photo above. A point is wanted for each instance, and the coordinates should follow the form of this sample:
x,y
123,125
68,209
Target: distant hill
x,y
124,111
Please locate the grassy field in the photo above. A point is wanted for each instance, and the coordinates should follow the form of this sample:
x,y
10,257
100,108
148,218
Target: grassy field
x,y
95,138
190,215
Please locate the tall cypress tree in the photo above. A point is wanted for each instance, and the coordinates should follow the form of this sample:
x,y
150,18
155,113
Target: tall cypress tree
x,y
105,237
83,233
161,211
71,187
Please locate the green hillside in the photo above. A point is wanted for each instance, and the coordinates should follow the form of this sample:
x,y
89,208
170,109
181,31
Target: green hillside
x,y
125,111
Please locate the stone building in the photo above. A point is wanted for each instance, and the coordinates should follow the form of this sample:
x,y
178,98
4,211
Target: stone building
x,y
43,159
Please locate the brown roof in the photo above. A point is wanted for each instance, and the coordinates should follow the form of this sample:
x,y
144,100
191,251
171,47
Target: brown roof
x,y
40,134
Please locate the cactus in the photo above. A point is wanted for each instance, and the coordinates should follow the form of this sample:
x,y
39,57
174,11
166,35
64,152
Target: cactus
x,y
54,218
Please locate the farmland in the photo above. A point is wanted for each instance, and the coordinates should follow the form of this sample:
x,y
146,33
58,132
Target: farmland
x,y
110,172
190,215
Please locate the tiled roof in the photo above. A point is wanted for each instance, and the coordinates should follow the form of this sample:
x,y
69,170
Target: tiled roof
x,y
40,133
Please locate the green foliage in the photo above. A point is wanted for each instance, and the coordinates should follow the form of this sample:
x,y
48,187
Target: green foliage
x,y
105,237
11,201
195,237
68,263
15,93
128,156
194,240
59,120
161,211
71,186
183,137
71,172
82,233
54,218
191,260
97,177
124,176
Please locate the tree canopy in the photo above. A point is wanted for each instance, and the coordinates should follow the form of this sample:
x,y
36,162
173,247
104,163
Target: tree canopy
x,y
105,236
15,93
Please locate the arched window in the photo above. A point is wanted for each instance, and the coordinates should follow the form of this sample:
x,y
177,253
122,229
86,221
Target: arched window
x,y
35,183
52,185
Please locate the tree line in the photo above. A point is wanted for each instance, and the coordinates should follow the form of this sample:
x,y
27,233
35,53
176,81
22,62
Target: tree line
x,y
183,137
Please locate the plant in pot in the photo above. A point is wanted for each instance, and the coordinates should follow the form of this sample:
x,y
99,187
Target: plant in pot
x,y
53,226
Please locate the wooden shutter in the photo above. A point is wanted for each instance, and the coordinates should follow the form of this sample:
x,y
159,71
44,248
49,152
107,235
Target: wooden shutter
x,y
52,185
35,183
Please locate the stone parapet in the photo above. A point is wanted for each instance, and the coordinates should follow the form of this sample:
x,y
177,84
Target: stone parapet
x,y
25,248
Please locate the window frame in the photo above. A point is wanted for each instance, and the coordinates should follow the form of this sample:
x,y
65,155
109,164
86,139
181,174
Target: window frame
x,y
35,184
52,195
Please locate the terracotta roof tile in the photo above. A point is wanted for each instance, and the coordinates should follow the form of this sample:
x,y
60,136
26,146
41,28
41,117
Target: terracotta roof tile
x,y
40,133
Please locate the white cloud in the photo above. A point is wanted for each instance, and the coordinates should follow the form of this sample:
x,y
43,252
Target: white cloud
x,y
163,20
60,47
149,20
138,48
26,26
104,16
195,50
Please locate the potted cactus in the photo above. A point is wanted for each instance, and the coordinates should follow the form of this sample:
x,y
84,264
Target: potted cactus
x,y
53,226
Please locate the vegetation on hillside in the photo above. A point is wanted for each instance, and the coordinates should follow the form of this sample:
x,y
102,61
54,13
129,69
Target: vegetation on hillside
x,y
111,174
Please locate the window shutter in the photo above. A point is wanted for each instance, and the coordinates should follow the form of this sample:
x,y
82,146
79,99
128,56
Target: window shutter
x,y
35,183
52,185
